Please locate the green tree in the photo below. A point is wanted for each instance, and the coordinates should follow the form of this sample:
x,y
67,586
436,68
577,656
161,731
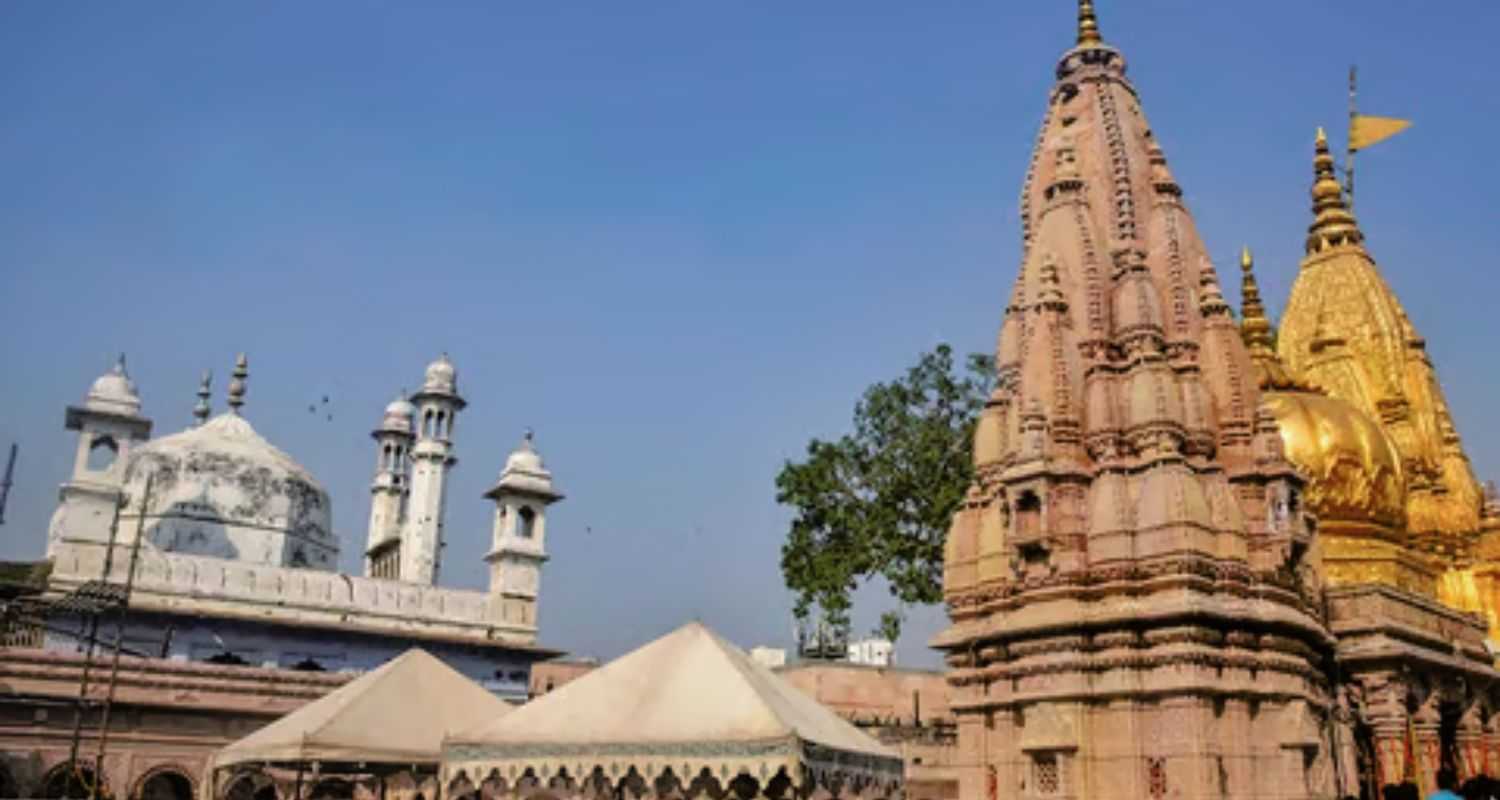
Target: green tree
x,y
877,501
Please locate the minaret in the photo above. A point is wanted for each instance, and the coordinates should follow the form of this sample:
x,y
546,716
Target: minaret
x,y
437,404
109,423
521,495
1132,516
388,492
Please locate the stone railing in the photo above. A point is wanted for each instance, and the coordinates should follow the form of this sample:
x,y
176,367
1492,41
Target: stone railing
x,y
172,582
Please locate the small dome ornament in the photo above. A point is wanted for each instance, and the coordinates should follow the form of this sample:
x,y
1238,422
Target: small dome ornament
x,y
237,384
398,416
441,376
114,392
204,408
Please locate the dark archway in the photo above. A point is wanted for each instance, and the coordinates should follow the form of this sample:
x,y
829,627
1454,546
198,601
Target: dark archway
x,y
69,780
332,789
250,784
164,783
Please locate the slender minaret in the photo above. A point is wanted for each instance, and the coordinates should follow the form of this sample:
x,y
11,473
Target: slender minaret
x,y
438,403
521,497
389,490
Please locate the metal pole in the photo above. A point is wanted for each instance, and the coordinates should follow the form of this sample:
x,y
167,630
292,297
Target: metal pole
x,y
120,615
88,653
5,483
1349,159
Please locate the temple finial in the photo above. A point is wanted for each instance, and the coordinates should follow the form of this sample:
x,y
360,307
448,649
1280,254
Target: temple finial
x,y
1088,24
1050,295
203,408
237,384
1210,297
1255,327
1333,222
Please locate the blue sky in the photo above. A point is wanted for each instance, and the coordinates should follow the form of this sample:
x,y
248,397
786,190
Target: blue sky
x,y
676,238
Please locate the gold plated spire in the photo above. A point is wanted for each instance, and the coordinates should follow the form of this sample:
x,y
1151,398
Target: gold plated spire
x,y
1333,222
1255,326
1088,24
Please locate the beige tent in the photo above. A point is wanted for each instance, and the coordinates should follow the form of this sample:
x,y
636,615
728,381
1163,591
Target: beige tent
x,y
397,714
684,704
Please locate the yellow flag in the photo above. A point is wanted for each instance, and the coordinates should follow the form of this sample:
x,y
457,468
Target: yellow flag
x,y
1368,130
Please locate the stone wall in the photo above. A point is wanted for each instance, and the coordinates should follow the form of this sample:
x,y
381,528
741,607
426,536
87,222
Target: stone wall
x,y
170,582
167,717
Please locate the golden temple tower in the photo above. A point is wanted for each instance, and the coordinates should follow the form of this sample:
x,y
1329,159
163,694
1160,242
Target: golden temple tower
x,y
1133,584
1345,331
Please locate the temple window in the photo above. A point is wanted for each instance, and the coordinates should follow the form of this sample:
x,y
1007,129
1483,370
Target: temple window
x,y
1028,514
526,525
1046,776
102,452
1156,777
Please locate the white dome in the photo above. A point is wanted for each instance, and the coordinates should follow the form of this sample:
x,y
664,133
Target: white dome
x,y
524,473
441,378
525,457
113,392
398,416
221,490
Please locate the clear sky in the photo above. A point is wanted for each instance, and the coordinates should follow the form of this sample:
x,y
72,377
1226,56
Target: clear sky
x,y
676,238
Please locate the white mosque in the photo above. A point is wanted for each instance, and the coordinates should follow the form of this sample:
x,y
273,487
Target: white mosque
x,y
237,555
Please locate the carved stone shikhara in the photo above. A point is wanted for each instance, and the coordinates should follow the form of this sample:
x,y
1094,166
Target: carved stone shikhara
x,y
1181,568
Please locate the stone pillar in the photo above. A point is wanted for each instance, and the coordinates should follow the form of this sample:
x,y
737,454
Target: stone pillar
x,y
1427,746
1471,744
1385,713
1492,746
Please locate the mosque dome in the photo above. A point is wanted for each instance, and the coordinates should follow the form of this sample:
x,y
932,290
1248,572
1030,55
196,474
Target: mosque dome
x,y
524,473
221,490
114,392
1353,470
442,377
398,416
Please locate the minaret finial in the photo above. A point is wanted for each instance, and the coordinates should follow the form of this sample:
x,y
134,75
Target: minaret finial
x,y
1255,327
1333,222
119,368
1088,24
237,384
203,408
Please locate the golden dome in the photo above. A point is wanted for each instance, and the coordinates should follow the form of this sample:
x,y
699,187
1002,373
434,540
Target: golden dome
x,y
1353,472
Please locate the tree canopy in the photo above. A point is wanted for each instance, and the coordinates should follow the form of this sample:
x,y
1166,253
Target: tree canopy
x,y
877,501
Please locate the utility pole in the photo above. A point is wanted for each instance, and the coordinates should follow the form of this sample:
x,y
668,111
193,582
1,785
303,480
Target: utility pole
x,y
10,474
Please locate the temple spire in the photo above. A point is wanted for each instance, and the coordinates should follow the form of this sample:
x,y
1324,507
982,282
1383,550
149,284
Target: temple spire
x,y
1088,25
1255,326
1333,222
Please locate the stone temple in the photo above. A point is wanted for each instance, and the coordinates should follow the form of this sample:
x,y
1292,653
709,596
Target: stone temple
x,y
1193,564
237,612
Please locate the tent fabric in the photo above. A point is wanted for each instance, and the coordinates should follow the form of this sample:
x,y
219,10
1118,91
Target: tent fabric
x,y
687,701
397,713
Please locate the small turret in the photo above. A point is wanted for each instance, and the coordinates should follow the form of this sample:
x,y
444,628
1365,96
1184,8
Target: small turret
x,y
522,495
109,423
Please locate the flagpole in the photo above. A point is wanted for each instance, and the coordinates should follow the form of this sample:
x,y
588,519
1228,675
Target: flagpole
x,y
1349,159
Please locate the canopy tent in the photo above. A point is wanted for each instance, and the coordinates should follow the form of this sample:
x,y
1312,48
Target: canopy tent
x,y
684,705
397,714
